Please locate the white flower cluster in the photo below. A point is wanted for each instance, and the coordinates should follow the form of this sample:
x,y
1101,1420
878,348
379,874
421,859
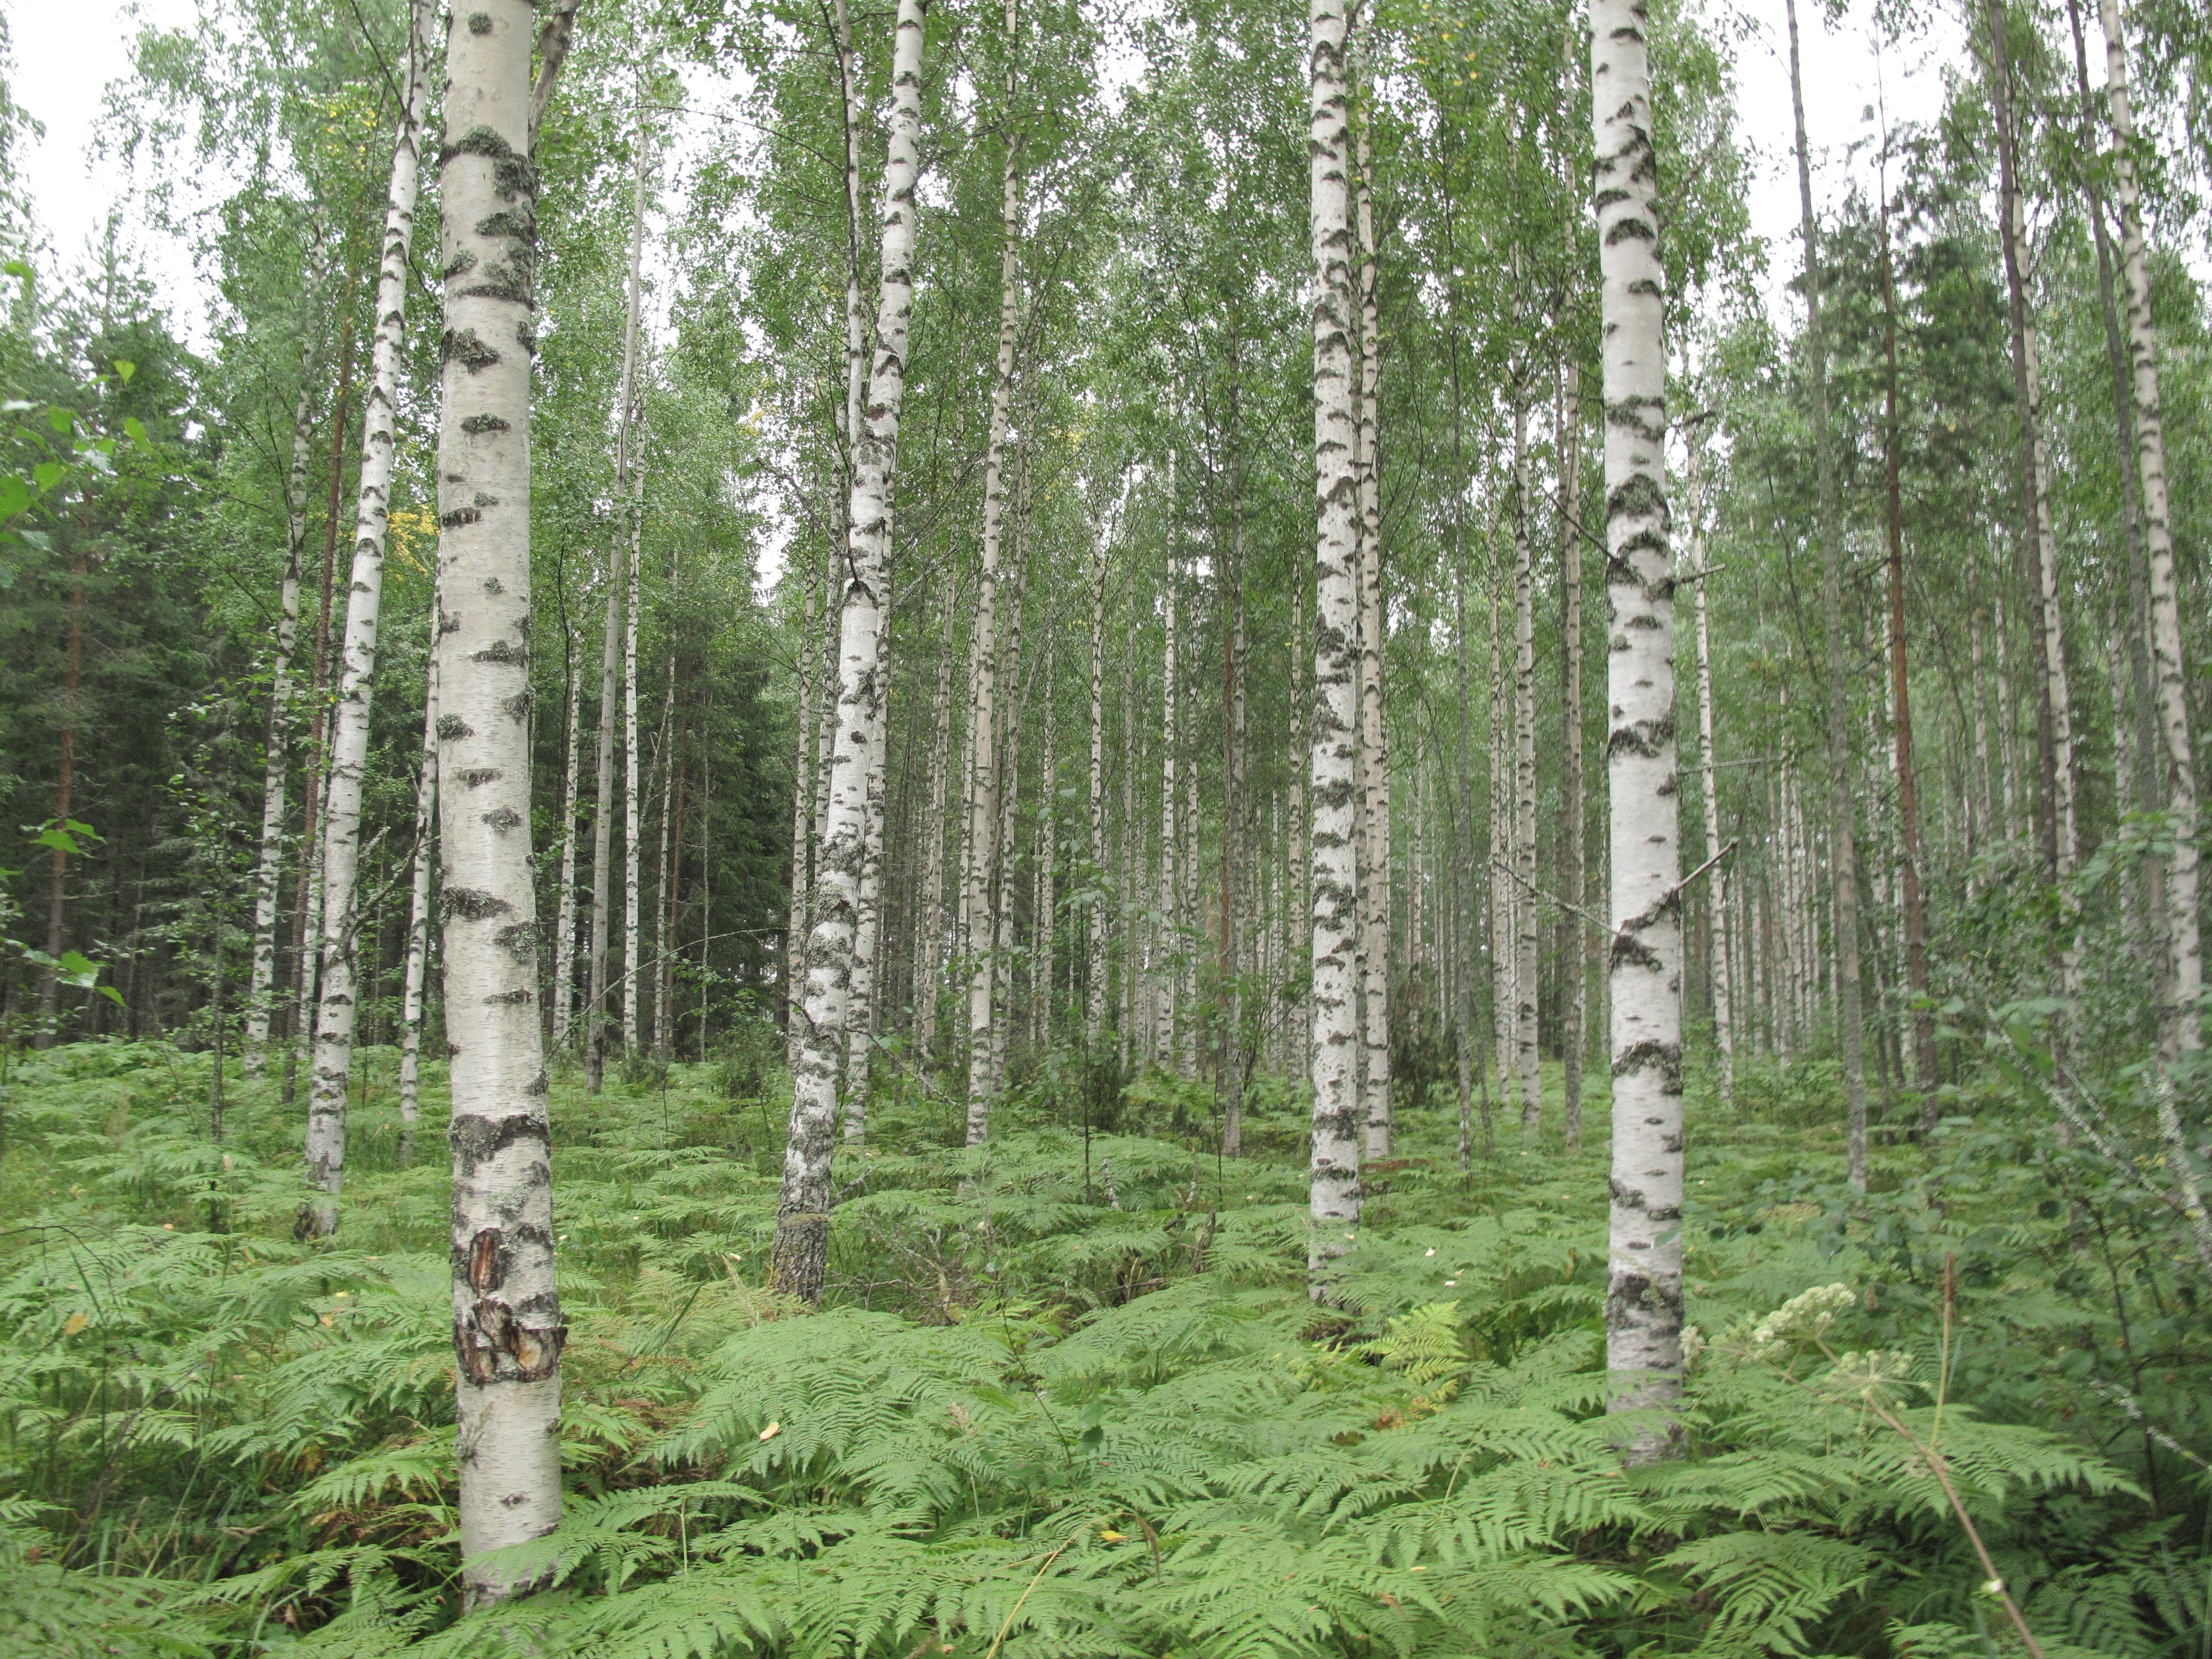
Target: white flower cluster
x,y
1801,1318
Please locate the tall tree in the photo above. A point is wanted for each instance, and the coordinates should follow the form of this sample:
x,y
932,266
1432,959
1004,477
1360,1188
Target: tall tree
x,y
2184,975
508,1332
1843,834
1333,1197
802,1233
1643,1295
337,1006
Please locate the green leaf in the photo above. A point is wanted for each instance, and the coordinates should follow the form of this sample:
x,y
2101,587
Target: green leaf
x,y
137,433
47,474
60,839
125,368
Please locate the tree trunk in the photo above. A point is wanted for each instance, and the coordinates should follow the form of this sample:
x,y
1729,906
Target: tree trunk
x,y
1529,1062
2184,976
1573,1028
564,928
1232,798
803,775
1094,999
269,870
983,647
603,818
337,1006
307,911
1333,1194
1908,804
1844,843
867,921
2054,720
930,952
50,991
1644,1301
1374,636
669,742
507,1331
629,488
1167,911
418,909
802,1241
1723,989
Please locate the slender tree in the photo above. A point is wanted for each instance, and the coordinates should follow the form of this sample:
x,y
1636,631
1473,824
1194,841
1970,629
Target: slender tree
x,y
802,1239
507,1331
1334,1202
338,1006
1643,1297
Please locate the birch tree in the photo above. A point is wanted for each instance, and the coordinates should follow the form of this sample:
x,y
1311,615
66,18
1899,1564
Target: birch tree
x,y
983,643
507,1331
1643,1293
417,966
269,870
2184,959
337,1007
1334,1196
1843,865
802,1240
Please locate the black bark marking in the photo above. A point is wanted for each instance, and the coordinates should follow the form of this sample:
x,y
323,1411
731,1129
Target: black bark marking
x,y
471,905
505,818
474,425
476,777
451,726
461,345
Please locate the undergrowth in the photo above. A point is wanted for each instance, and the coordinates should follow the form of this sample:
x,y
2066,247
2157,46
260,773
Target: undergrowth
x,y
1067,1397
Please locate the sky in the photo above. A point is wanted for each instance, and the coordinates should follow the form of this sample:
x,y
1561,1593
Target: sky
x,y
67,54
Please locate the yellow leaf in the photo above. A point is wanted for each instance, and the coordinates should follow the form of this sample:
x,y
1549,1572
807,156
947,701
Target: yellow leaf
x,y
1109,1536
771,1431
77,1321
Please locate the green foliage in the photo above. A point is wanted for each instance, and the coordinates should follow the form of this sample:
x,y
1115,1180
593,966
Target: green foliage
x,y
1031,1422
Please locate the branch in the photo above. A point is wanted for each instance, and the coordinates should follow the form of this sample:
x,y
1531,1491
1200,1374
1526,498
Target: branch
x,y
555,36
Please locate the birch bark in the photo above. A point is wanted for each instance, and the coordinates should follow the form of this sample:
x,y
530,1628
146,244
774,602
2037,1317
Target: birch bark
x,y
1524,785
418,909
1333,1194
337,1006
930,946
867,923
507,1331
1723,989
269,872
2184,976
983,647
603,818
1573,1028
802,805
1643,1300
1374,636
629,488
564,926
1094,1002
802,1243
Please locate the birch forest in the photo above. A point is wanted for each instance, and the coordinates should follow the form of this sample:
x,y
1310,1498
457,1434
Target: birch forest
x,y
1394,801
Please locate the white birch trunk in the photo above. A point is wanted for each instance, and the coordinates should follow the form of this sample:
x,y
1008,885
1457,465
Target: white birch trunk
x,y
507,1331
1167,910
803,774
418,909
338,1007
2184,976
801,1251
867,926
1527,1060
1374,636
1333,1194
1643,1300
1094,998
564,928
1724,1000
629,487
983,648
268,873
665,920
603,818
1574,1034
930,944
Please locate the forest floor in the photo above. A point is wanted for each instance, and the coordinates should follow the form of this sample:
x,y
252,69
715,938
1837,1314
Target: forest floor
x,y
1067,1394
